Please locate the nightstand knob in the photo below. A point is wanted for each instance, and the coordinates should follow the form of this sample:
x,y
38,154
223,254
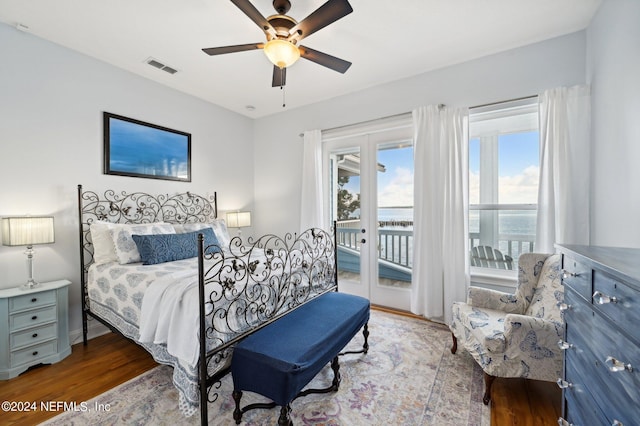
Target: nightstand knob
x,y
34,335
35,317
34,300
567,274
563,422
34,353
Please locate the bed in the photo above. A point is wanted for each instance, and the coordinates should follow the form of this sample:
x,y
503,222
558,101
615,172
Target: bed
x,y
163,271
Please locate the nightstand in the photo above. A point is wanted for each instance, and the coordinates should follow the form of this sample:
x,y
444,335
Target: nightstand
x,y
34,327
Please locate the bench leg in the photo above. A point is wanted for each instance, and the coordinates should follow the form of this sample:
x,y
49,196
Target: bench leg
x,y
335,366
237,413
285,419
365,332
365,346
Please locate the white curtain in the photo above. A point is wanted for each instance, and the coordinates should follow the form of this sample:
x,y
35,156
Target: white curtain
x,y
563,193
312,197
440,265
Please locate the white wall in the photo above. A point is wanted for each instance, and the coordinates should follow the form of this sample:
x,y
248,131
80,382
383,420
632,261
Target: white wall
x,y
519,72
612,70
51,104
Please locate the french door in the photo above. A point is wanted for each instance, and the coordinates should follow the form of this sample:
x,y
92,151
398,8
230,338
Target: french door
x,y
370,182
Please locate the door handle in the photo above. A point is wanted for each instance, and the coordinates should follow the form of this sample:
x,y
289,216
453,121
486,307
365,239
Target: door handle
x,y
363,241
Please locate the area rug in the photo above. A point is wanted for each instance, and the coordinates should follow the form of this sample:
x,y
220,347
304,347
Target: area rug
x,y
409,377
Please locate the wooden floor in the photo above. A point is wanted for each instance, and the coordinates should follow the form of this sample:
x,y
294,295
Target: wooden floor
x,y
110,360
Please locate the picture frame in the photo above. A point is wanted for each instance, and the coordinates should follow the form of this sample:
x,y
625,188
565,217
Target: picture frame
x,y
138,149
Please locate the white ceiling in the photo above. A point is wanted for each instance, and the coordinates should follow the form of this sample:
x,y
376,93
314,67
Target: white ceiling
x,y
385,41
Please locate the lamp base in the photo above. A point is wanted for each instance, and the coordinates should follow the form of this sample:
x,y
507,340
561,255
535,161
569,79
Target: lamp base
x,y
29,285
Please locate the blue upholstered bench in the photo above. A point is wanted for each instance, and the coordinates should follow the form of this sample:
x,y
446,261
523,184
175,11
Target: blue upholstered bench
x,y
279,360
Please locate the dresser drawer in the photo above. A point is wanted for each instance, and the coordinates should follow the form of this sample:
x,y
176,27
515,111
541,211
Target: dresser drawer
x,y
32,300
624,309
577,276
32,354
32,318
32,336
582,409
592,338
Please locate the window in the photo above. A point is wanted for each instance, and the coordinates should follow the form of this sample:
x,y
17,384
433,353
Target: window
x,y
504,164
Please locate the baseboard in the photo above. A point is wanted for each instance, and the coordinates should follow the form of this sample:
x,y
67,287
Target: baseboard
x,y
94,329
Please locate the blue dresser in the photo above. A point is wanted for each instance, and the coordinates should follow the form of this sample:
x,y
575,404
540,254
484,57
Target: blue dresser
x,y
601,383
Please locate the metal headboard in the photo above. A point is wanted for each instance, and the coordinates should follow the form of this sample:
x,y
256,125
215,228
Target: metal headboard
x,y
135,207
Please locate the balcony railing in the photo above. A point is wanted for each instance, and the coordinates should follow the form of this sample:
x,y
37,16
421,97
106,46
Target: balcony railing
x,y
396,245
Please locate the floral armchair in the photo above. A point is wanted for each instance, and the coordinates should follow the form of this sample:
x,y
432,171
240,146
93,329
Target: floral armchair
x,y
515,335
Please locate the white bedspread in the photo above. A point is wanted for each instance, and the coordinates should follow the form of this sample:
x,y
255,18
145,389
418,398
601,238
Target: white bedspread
x,y
170,316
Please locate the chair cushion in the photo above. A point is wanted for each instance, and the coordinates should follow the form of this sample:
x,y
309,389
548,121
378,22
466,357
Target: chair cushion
x,y
486,325
548,292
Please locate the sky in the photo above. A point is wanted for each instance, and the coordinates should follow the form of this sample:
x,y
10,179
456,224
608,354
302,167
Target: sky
x,y
518,172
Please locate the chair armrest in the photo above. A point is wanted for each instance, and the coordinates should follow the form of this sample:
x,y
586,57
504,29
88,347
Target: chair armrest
x,y
492,299
531,334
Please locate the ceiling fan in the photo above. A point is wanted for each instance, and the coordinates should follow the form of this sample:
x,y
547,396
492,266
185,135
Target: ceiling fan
x,y
284,33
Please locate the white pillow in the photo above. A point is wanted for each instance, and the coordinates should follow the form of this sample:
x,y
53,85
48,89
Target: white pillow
x,y
125,248
103,248
218,225
221,231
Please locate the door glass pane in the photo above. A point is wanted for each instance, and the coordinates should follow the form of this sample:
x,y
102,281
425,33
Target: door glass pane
x,y
345,198
395,214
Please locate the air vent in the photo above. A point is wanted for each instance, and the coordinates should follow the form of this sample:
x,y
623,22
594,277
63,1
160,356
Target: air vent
x,y
157,64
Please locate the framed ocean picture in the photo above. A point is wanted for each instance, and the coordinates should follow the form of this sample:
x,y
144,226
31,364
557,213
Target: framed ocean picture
x,y
138,149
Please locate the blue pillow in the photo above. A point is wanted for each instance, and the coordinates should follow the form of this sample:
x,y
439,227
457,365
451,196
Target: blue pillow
x,y
160,248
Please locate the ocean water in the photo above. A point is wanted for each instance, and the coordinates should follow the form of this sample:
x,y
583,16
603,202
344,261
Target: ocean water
x,y
518,222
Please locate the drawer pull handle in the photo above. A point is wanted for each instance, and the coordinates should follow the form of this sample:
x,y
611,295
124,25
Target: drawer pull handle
x,y
563,384
563,422
564,345
567,274
35,317
34,353
34,335
602,299
564,307
617,423
34,300
615,365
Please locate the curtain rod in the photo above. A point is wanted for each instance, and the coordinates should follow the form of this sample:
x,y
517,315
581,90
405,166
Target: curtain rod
x,y
400,115
505,101
389,117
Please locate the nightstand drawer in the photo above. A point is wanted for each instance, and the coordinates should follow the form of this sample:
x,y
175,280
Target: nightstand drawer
x,y
33,353
32,336
32,300
32,318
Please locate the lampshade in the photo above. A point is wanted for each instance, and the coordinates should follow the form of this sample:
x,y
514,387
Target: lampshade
x,y
27,230
238,219
281,52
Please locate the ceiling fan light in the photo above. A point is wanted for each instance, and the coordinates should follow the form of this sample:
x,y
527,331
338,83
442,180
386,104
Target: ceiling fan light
x,y
281,53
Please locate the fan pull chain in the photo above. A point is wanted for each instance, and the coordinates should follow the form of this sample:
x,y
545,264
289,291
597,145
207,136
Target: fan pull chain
x,y
284,104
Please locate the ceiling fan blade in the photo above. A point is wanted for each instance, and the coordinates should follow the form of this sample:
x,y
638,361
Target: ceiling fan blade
x,y
326,14
279,77
231,49
253,14
324,59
